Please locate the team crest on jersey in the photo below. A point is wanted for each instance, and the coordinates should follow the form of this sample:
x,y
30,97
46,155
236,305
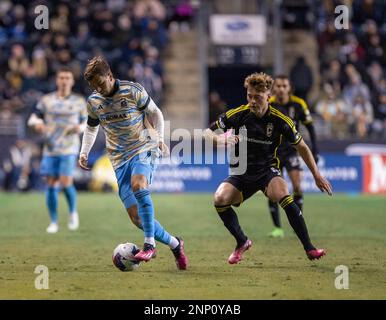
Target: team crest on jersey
x,y
123,103
269,129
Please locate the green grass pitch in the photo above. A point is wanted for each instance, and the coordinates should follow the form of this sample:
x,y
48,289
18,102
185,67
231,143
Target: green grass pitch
x,y
352,228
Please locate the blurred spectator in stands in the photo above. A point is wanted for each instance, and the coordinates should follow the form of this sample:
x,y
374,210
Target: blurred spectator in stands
x,y
149,8
334,112
362,115
367,9
375,52
60,22
39,62
216,106
355,88
379,125
301,77
18,61
334,76
182,17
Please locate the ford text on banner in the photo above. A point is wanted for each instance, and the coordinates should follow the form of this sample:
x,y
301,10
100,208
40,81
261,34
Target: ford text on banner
x,y
238,29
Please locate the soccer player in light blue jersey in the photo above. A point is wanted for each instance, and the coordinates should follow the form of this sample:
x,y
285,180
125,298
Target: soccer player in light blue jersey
x,y
60,117
128,117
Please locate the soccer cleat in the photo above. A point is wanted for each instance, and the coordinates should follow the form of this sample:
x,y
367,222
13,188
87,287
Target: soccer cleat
x,y
316,254
147,253
237,255
73,221
53,228
276,233
182,261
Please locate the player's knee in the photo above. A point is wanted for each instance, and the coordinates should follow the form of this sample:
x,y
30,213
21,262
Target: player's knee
x,y
221,199
65,181
138,183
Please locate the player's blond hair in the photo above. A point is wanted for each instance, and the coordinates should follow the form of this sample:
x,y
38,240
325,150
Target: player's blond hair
x,y
96,66
261,82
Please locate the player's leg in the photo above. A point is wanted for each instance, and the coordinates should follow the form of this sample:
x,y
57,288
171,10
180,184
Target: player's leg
x,y
175,244
52,203
225,196
49,169
66,171
278,231
295,176
277,190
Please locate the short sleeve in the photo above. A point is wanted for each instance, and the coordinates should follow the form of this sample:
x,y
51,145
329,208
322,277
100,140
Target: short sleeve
x,y
141,96
289,131
89,109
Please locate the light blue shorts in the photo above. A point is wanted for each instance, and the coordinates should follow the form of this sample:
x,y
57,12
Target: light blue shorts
x,y
143,164
55,166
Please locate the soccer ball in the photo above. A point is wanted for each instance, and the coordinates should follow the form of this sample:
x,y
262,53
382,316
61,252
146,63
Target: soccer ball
x,y
123,257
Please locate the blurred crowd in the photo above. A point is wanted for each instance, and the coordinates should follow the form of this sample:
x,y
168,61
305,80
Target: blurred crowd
x,y
353,69
131,34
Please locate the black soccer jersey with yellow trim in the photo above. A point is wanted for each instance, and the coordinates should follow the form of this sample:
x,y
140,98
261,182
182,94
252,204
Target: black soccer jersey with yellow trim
x,y
296,109
263,135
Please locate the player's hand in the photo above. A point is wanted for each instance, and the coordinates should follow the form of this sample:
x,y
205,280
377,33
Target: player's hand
x,y
40,128
227,139
75,129
323,184
83,158
164,149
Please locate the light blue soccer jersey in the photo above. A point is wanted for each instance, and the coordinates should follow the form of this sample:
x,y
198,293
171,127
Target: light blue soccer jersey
x,y
60,115
122,119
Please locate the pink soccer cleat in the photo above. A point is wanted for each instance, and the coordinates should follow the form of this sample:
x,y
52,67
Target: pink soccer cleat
x,y
182,261
316,254
146,254
237,255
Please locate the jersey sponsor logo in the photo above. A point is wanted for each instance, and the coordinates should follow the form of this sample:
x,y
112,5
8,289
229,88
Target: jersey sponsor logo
x,y
115,117
269,129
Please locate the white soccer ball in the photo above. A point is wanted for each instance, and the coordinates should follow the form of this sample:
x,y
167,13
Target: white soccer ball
x,y
123,257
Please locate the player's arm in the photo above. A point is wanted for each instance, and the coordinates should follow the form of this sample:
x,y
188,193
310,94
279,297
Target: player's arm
x,y
36,120
155,124
154,119
308,158
294,137
88,140
216,130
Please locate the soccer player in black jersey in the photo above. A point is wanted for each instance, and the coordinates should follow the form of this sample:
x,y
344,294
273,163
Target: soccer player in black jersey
x,y
296,109
263,128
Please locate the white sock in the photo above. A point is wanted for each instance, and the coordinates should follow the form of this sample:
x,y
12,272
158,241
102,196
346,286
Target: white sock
x,y
150,240
173,242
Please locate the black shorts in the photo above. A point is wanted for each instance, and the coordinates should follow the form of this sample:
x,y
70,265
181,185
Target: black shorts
x,y
248,184
290,161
